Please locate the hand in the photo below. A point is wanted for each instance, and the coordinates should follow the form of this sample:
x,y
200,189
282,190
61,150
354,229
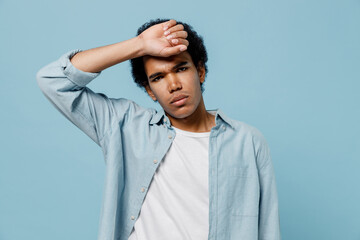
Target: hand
x,y
164,39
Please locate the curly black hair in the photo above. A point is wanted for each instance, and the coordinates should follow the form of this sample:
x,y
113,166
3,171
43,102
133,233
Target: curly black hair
x,y
196,49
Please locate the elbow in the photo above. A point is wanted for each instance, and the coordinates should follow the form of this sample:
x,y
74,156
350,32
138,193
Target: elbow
x,y
46,75
40,79
44,81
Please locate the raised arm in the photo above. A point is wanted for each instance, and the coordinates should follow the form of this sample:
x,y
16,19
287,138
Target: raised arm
x,y
64,81
152,41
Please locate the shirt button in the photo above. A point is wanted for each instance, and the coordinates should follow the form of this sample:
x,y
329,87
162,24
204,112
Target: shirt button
x,y
132,217
155,161
164,125
142,189
224,127
169,136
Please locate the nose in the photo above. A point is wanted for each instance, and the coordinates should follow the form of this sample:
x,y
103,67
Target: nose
x,y
174,83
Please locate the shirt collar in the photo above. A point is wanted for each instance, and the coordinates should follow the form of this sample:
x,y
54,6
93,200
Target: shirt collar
x,y
160,115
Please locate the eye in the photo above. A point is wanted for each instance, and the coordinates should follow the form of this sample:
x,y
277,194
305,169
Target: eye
x,y
181,69
157,78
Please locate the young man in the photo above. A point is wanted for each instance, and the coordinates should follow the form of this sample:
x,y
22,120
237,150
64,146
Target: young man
x,y
183,172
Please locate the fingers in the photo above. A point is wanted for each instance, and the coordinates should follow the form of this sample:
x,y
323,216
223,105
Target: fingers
x,y
176,36
180,34
180,42
175,28
168,24
175,33
173,50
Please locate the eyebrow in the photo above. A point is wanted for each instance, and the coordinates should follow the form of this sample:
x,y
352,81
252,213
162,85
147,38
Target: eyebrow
x,y
174,67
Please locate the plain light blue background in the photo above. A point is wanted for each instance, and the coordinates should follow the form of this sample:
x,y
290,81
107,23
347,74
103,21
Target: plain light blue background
x,y
289,68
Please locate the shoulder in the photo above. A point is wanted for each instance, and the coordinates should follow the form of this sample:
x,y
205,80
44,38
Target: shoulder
x,y
249,135
256,139
247,129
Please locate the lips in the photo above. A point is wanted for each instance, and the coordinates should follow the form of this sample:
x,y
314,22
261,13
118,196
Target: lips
x,y
178,97
180,102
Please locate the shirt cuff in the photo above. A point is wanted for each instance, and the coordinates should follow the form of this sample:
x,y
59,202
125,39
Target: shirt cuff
x,y
75,75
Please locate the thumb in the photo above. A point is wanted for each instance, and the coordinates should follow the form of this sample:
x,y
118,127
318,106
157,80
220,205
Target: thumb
x,y
166,52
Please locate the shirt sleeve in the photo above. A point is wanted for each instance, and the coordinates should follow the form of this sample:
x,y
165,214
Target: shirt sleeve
x,y
65,87
269,220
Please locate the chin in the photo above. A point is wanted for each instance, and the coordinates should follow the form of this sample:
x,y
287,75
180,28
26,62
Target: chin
x,y
181,112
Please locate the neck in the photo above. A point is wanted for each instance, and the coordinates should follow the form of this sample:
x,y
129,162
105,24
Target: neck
x,y
199,121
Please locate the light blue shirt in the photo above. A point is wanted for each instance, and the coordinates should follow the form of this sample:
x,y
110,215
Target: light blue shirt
x,y
243,201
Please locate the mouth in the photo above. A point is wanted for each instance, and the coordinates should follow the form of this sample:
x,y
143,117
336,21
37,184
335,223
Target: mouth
x,y
180,101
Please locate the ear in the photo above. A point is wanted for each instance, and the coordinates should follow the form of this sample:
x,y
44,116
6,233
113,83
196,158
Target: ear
x,y
201,71
149,91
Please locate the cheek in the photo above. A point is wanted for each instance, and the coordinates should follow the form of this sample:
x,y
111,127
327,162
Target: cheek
x,y
158,92
193,79
195,83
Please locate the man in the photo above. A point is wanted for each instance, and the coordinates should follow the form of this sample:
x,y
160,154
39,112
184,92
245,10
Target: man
x,y
183,172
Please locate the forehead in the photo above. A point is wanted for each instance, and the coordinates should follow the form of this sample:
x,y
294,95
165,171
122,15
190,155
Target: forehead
x,y
152,63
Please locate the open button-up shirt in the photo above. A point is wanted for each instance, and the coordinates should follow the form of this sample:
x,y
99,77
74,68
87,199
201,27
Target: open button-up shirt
x,y
243,202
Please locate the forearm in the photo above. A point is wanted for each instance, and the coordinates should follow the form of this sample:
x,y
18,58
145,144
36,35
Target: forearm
x,y
97,59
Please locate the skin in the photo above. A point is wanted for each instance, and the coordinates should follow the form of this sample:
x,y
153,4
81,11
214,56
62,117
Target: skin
x,y
185,79
162,46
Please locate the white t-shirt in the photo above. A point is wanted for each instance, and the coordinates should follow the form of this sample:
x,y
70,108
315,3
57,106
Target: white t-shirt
x,y
176,206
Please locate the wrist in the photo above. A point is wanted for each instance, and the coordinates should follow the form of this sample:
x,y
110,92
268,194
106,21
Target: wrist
x,y
140,46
